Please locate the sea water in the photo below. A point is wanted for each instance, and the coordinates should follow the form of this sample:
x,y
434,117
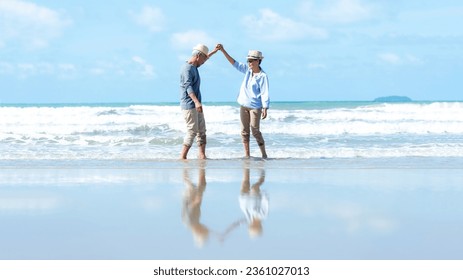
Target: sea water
x,y
293,130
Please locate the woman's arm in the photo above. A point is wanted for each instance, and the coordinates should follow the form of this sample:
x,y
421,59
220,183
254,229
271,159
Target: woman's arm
x,y
229,58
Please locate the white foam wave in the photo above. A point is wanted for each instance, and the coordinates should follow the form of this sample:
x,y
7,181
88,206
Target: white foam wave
x,y
156,131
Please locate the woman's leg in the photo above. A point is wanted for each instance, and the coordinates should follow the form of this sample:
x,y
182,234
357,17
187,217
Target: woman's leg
x,y
245,129
255,116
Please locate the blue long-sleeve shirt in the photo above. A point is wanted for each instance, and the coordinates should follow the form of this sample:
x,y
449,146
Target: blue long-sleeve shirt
x,y
254,89
189,83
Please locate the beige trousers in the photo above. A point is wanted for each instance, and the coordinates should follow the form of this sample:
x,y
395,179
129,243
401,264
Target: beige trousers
x,y
250,123
196,127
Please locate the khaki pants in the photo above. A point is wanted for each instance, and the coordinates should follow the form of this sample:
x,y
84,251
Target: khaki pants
x,y
196,127
250,123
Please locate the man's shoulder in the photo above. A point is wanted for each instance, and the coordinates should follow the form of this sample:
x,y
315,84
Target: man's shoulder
x,y
188,67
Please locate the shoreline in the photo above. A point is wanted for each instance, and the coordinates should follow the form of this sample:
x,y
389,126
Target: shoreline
x,y
271,163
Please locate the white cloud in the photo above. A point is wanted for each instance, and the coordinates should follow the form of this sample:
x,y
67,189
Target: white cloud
x,y
346,11
147,69
27,69
189,39
46,68
96,71
390,58
130,67
31,25
316,66
271,26
413,59
115,68
395,59
150,17
66,70
138,59
6,68
336,11
67,67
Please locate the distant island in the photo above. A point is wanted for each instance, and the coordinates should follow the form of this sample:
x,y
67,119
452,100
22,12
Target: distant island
x,y
392,98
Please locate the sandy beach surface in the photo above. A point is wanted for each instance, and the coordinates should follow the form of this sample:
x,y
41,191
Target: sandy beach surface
x,y
233,209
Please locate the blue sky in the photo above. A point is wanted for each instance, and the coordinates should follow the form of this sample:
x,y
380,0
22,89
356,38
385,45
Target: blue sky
x,y
131,51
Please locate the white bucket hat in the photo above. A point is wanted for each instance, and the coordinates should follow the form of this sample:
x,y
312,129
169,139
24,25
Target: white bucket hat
x,y
201,48
253,54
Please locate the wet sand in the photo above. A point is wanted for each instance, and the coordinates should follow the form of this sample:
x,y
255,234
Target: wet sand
x,y
231,209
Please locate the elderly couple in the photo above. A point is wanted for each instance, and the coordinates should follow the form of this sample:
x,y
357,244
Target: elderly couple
x,y
253,98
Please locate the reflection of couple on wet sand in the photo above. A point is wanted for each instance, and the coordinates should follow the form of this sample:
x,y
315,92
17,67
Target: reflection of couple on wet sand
x,y
253,202
191,208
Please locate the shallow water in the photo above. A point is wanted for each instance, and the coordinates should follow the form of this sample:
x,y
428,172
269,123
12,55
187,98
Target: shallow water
x,y
161,210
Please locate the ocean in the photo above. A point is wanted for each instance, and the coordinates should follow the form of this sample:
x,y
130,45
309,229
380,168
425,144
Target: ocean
x,y
84,133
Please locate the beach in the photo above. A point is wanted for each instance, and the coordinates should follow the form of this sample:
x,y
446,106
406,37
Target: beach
x,y
343,181
190,210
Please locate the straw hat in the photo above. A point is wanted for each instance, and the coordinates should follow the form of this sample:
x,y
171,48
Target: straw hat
x,y
202,48
253,54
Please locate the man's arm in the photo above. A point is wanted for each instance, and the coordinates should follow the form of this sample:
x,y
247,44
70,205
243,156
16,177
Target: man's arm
x,y
198,105
216,49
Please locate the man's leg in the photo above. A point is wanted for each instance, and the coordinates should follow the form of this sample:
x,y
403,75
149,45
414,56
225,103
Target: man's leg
x,y
190,117
184,153
201,137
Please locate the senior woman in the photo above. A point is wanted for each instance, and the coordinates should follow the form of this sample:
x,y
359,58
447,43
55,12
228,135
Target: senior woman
x,y
253,98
